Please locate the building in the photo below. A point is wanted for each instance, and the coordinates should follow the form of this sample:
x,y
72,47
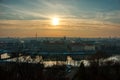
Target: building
x,y
4,56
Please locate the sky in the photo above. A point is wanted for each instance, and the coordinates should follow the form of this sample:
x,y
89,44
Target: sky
x,y
78,18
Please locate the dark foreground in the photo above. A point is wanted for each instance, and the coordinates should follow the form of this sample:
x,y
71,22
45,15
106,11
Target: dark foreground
x,y
28,71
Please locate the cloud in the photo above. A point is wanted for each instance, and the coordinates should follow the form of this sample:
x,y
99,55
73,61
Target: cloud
x,y
23,28
45,9
68,25
74,17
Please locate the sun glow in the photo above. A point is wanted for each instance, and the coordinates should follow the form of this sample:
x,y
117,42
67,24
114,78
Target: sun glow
x,y
55,21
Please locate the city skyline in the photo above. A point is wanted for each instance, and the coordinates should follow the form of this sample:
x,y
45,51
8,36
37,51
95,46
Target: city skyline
x,y
77,18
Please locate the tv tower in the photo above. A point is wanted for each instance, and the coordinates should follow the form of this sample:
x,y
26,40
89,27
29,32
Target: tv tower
x,y
36,35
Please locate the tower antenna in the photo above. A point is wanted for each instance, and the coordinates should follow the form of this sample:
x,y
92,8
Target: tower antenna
x,y
36,35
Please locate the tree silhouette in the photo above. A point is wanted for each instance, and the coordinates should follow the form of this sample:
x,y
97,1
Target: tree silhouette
x,y
81,74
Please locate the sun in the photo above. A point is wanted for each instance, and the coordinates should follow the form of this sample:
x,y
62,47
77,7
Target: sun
x,y
55,21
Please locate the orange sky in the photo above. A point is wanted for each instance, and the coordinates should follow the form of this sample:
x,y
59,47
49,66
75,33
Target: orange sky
x,y
70,28
78,18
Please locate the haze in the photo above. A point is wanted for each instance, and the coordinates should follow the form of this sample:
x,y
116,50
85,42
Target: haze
x,y
78,18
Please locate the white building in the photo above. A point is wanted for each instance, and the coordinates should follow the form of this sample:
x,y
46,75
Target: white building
x,y
5,56
89,47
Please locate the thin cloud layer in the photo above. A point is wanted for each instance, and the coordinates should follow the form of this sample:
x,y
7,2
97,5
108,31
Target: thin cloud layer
x,y
86,18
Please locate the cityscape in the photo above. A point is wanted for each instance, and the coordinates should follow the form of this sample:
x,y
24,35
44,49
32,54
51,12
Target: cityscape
x,y
60,46
59,39
60,51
